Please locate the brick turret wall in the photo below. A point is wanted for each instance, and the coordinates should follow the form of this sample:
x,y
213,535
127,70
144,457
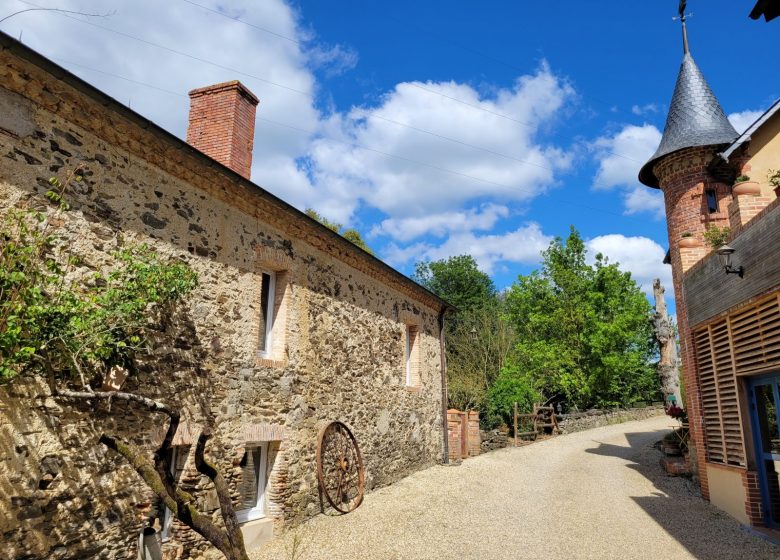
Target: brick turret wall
x,y
684,181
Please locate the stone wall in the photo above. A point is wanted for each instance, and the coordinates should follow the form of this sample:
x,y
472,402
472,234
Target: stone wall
x,y
341,356
494,439
579,421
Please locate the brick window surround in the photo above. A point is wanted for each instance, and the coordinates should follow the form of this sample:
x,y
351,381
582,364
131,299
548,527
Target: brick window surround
x,y
272,299
412,355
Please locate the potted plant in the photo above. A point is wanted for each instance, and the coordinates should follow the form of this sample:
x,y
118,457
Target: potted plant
x,y
743,185
688,240
774,181
716,236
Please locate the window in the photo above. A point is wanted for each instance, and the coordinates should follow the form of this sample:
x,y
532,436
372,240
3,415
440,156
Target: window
x,y
178,459
712,201
412,356
267,293
251,487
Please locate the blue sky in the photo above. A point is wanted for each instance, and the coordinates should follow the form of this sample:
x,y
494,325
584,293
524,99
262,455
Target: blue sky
x,y
436,128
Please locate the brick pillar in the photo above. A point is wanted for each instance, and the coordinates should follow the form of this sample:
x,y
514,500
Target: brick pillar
x,y
454,433
753,506
683,178
475,438
222,124
747,202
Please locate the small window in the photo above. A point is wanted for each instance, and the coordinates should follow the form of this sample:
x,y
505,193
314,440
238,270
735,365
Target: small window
x,y
252,484
712,201
412,356
178,460
267,290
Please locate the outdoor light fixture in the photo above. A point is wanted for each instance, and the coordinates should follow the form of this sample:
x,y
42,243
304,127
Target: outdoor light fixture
x,y
473,333
724,256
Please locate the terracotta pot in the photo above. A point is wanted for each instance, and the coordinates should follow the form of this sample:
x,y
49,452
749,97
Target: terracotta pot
x,y
689,242
746,187
777,191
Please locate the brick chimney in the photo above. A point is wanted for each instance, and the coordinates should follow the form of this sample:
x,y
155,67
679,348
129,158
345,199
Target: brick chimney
x,y
222,124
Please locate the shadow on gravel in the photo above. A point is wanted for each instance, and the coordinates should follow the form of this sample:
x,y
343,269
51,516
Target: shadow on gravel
x,y
677,506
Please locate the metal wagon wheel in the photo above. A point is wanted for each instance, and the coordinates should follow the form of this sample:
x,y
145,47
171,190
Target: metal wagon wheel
x,y
340,469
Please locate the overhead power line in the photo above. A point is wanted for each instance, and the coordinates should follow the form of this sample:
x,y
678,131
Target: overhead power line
x,y
306,93
353,144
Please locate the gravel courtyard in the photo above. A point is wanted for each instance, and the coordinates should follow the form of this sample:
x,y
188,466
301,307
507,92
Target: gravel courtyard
x,y
596,494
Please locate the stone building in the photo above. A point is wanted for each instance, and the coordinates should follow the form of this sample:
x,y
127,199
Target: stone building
x,y
291,327
728,312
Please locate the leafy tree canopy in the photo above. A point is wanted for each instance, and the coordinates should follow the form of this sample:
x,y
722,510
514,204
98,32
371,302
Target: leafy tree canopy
x,y
458,280
350,234
584,331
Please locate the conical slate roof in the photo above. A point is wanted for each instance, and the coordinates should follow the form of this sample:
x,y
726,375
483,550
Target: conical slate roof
x,y
695,119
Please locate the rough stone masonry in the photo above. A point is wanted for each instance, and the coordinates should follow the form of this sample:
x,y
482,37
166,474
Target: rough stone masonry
x,y
339,339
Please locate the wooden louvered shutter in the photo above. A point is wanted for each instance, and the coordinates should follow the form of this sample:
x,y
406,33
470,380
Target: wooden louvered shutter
x,y
709,396
756,333
727,394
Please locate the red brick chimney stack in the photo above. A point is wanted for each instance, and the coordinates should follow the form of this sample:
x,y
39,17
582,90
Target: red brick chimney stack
x,y
222,124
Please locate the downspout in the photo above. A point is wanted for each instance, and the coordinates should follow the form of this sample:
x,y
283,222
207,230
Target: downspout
x,y
443,354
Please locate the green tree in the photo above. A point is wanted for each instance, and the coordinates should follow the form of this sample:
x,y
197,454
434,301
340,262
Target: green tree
x,y
584,331
458,280
350,234
478,346
509,388
478,338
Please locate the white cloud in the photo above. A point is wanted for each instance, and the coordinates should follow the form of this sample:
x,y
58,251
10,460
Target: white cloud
x,y
644,109
189,29
622,155
439,225
523,245
428,173
641,256
334,61
642,199
742,120
460,147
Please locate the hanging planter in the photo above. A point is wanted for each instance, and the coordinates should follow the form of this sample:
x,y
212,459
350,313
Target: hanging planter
x,y
743,185
688,240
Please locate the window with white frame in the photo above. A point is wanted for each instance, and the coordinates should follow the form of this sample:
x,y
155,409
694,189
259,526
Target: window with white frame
x,y
251,487
178,459
267,303
412,356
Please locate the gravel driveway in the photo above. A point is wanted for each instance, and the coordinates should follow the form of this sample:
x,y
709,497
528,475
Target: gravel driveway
x,y
597,494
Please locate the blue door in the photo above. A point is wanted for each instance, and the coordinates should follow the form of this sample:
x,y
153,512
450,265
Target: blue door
x,y
765,412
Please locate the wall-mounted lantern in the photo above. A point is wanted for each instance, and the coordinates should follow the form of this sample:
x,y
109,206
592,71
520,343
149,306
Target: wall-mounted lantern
x,y
473,333
724,256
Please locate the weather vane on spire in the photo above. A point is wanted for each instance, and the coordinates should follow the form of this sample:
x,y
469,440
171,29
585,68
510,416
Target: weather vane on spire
x,y
681,17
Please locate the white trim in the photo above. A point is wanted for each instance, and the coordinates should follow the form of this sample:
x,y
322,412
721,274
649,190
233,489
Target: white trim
x,y
258,511
269,317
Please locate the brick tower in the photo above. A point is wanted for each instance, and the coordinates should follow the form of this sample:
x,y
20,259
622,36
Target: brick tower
x,y
697,192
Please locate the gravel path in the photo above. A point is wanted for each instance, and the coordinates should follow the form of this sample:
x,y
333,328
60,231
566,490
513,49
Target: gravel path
x,y
597,494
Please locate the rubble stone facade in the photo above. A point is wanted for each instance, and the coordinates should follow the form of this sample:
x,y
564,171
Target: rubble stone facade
x,y
338,350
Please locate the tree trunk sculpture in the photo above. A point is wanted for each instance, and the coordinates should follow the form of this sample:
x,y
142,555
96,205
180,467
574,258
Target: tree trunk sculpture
x,y
669,362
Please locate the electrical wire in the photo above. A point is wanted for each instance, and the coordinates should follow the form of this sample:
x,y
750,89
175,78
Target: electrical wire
x,y
319,135
308,94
